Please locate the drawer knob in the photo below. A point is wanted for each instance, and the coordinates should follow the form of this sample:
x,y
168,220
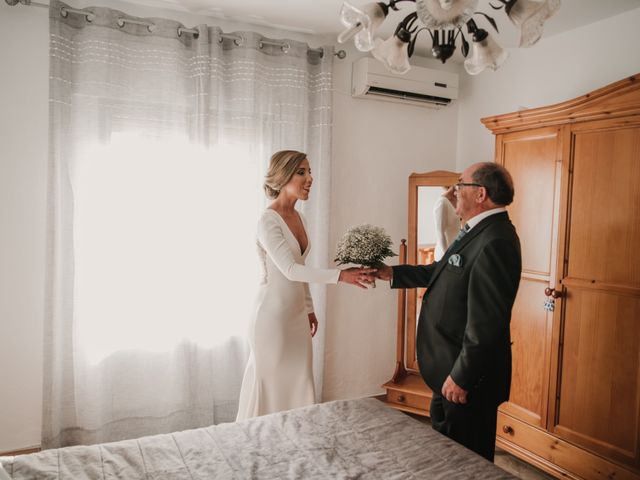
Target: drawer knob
x,y
401,398
507,429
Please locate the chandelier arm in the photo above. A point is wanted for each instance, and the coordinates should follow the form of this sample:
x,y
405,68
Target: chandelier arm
x,y
471,26
504,2
409,21
412,43
458,32
464,47
490,19
477,34
392,3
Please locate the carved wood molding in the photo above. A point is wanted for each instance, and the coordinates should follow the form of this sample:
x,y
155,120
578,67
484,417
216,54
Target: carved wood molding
x,y
616,100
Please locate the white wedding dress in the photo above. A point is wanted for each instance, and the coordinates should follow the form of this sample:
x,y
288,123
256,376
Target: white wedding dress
x,y
279,375
447,225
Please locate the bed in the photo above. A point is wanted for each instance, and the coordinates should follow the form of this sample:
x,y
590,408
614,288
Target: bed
x,y
353,439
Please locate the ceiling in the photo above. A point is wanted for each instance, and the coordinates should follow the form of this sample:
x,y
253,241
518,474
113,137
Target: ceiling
x,y
320,17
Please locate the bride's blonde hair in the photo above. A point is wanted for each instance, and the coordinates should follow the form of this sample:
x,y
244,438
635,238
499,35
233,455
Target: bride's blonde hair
x,y
282,166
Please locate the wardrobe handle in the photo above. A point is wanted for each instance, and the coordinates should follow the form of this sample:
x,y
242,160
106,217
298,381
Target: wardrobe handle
x,y
507,429
552,292
401,398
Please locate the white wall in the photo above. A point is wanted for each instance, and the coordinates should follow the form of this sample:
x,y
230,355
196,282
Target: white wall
x,y
376,146
24,63
556,69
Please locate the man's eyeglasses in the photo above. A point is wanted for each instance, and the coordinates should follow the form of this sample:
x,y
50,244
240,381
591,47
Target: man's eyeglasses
x,y
458,186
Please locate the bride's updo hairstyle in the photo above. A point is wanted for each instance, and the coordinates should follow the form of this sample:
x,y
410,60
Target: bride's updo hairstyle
x,y
282,166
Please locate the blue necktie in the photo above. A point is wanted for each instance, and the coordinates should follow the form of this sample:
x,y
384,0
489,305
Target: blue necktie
x,y
463,231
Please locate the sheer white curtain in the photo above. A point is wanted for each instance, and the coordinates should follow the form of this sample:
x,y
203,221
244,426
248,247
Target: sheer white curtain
x,y
158,146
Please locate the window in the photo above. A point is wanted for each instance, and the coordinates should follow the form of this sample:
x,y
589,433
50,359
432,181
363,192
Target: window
x,y
164,244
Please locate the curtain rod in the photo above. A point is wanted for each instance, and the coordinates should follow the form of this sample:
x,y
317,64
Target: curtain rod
x,y
11,3
237,39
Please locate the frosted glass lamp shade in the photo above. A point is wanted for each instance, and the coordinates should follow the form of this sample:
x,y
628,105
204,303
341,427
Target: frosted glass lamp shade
x,y
529,16
393,53
362,23
485,53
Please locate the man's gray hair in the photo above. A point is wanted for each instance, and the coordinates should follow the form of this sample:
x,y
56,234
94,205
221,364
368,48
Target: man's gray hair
x,y
497,181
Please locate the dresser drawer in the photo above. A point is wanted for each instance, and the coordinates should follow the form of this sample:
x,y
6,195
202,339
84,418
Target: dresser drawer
x,y
409,399
555,455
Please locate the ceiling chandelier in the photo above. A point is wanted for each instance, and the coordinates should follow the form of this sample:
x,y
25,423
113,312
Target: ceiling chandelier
x,y
443,19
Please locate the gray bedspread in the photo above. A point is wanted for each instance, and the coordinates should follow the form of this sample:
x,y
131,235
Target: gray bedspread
x,y
355,439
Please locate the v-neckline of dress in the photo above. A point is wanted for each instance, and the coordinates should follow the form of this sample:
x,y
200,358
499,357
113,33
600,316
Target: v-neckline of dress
x,y
291,231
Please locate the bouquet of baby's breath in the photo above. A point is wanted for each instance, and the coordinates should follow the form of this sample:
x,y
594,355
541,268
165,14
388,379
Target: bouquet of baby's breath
x,y
364,245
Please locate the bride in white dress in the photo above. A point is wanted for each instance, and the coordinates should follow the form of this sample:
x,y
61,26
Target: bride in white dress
x,y
279,375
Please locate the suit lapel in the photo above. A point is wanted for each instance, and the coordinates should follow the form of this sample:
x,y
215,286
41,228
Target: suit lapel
x,y
473,233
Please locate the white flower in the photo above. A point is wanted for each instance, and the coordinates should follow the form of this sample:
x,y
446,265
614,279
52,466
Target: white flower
x,y
364,245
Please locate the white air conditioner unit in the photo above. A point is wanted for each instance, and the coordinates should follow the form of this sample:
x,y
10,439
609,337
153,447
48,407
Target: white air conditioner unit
x,y
420,85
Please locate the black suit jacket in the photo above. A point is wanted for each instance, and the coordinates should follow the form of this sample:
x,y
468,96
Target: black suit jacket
x,y
463,328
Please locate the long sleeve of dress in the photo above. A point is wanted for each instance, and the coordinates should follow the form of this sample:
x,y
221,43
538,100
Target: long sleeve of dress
x,y
271,236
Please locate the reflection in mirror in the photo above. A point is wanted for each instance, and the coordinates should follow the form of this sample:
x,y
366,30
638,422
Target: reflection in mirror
x,y
437,225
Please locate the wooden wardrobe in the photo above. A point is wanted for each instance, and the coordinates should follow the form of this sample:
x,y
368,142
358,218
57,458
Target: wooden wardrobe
x,y
574,409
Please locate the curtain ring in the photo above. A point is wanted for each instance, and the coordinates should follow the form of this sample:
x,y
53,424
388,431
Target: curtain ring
x,y
88,16
194,32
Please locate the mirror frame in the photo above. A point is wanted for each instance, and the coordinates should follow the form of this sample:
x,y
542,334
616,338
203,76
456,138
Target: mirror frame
x,y
438,178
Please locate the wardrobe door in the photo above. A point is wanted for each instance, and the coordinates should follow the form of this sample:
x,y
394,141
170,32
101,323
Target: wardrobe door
x,y
534,160
598,384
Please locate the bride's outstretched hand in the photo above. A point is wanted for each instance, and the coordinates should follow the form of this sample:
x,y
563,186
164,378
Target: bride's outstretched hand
x,y
361,277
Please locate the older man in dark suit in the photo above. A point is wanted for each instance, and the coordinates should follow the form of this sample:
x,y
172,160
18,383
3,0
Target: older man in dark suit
x,y
464,342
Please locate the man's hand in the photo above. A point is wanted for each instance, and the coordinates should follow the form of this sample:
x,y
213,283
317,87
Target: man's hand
x,y
451,196
452,392
384,272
